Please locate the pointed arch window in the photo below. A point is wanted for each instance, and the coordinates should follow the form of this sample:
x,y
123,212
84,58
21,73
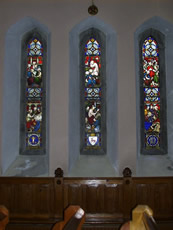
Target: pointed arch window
x,y
153,100
33,96
92,95
93,128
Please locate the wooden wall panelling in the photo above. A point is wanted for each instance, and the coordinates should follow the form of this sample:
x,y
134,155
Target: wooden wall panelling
x,y
37,203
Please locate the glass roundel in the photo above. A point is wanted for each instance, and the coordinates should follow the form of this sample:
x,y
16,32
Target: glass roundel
x,y
34,94
93,92
151,88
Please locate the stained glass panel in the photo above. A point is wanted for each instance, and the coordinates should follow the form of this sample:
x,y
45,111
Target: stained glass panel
x,y
92,94
34,94
151,85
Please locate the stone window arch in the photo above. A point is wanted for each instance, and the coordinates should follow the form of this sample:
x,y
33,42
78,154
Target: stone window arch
x,y
77,39
14,114
162,31
153,92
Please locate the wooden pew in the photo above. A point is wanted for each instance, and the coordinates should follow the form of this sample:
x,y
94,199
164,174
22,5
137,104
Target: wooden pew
x,y
74,218
4,217
142,219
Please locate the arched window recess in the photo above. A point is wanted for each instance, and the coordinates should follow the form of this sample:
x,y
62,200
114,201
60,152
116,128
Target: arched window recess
x,y
153,93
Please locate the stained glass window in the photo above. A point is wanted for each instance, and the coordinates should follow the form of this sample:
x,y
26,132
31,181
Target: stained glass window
x,y
151,87
93,94
34,94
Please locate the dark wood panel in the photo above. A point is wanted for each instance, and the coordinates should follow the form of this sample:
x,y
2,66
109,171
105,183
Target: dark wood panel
x,y
6,195
163,200
94,196
113,198
75,194
28,198
144,194
22,199
156,193
91,198
44,200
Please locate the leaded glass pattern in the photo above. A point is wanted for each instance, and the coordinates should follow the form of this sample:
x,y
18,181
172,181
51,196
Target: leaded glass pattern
x,y
93,92
151,86
34,94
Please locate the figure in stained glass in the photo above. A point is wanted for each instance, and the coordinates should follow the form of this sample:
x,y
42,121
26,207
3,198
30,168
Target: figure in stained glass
x,y
93,117
34,117
34,74
92,66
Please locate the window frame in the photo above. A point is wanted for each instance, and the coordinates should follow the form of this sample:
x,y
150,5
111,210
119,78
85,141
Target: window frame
x,y
24,44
